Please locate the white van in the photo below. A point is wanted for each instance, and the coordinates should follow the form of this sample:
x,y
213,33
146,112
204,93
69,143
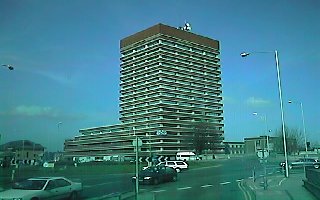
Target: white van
x,y
186,156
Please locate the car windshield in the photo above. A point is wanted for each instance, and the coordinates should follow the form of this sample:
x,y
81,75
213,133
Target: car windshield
x,y
29,185
151,169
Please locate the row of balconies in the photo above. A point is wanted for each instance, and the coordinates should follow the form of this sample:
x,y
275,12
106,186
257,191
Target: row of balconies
x,y
155,141
167,42
154,75
125,134
154,97
135,66
173,77
188,56
190,50
176,120
154,68
171,84
180,110
167,87
156,100
173,41
153,104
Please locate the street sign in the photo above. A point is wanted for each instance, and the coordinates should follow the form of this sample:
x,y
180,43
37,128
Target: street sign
x,y
160,158
161,132
263,153
134,142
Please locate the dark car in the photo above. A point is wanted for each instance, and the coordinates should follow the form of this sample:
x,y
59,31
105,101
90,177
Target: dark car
x,y
157,174
302,162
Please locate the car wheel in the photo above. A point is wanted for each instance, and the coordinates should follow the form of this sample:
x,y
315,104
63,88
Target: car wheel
x,y
178,170
155,181
316,166
174,178
34,198
73,196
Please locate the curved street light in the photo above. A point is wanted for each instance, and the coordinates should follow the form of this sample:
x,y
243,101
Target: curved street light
x,y
265,120
10,67
245,54
303,124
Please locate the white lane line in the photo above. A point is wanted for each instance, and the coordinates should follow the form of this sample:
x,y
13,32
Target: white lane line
x,y
225,183
184,188
157,191
239,180
270,173
206,167
101,184
204,186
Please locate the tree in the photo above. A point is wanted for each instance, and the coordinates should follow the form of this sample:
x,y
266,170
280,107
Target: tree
x,y
294,139
204,136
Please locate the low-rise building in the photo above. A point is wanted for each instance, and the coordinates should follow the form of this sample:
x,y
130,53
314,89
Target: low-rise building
x,y
234,148
21,152
270,143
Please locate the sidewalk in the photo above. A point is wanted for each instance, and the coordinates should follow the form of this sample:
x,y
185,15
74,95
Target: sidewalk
x,y
280,187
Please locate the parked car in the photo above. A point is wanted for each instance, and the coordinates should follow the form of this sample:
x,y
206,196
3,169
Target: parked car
x,y
157,174
302,162
44,188
178,165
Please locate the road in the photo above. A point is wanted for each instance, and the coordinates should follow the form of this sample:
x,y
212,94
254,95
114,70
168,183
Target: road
x,y
222,181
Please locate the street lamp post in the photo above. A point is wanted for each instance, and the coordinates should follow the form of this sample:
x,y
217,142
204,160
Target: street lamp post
x,y
266,128
59,124
245,54
264,154
303,124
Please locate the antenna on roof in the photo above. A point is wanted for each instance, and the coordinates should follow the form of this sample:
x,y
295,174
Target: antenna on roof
x,y
186,27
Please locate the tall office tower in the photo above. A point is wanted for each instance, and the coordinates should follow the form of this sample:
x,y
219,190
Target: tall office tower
x,y
170,81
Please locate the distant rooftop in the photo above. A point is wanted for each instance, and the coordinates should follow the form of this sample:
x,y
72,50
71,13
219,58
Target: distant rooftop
x,y
21,144
171,31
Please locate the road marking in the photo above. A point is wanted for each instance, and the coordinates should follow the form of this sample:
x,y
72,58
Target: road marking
x,y
157,191
184,188
246,194
100,184
239,180
282,181
224,183
219,165
270,173
204,186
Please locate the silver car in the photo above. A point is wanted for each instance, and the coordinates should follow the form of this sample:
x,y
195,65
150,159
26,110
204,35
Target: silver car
x,y
43,188
305,162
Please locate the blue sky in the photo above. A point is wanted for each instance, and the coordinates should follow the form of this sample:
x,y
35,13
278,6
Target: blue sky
x,y
66,59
